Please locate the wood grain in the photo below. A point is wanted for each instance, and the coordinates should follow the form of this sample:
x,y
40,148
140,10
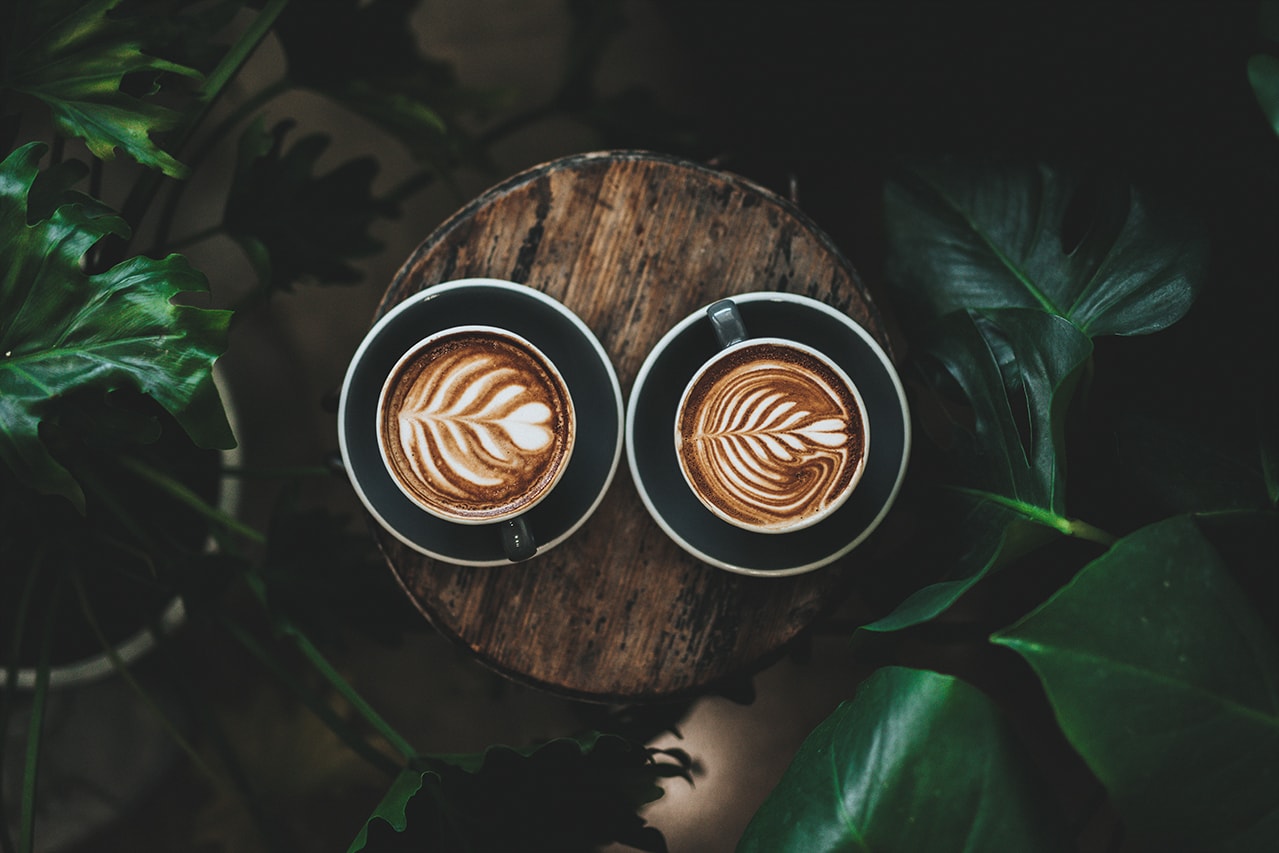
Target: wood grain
x,y
632,242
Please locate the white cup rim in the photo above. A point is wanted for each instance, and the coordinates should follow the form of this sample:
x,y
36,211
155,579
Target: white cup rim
x,y
497,331
830,364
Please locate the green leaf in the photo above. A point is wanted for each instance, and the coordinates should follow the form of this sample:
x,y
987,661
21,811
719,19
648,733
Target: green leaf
x,y
293,224
74,56
1166,681
62,331
965,238
391,808
917,761
1014,372
972,538
1263,74
1017,370
569,794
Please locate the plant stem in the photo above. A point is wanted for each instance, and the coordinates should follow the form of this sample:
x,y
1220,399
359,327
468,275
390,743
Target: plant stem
x,y
1066,526
393,737
35,728
326,714
185,495
11,681
1083,530
122,670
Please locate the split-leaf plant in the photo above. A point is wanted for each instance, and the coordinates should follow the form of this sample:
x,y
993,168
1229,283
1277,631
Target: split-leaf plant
x,y
110,419
1153,638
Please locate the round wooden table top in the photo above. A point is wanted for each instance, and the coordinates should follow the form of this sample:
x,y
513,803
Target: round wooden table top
x,y
632,242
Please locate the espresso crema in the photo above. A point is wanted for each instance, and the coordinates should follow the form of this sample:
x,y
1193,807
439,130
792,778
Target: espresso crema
x,y
769,436
476,425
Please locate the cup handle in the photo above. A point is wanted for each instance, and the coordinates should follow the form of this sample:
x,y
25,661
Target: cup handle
x,y
727,322
517,539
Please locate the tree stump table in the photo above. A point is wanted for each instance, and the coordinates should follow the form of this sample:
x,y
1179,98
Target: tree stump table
x,y
632,242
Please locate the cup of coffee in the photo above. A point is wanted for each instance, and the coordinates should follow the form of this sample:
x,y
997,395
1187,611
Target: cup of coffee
x,y
476,426
771,435
477,413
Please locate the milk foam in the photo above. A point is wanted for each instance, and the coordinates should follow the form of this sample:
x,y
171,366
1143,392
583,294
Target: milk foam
x,y
479,423
770,437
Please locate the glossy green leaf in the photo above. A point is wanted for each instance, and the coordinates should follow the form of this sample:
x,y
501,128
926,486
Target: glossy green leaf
x,y
1166,681
296,225
571,795
917,761
972,538
63,331
74,56
963,238
1014,371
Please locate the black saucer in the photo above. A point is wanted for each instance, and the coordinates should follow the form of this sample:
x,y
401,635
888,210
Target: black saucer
x,y
650,444
562,336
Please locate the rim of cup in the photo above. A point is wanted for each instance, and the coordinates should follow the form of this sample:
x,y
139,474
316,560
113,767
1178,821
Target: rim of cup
x,y
830,364
428,341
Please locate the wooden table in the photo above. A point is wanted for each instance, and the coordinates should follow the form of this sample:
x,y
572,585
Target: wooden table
x,y
632,242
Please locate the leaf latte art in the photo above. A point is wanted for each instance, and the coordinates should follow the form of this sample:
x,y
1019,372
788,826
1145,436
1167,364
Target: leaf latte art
x,y
477,426
770,436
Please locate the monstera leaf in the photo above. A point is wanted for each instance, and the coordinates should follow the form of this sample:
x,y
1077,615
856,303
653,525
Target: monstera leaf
x,y
62,331
1166,681
1034,237
918,761
73,55
1015,371
567,795
294,224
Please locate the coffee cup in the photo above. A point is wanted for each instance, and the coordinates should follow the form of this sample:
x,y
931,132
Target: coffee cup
x,y
541,429
476,426
771,435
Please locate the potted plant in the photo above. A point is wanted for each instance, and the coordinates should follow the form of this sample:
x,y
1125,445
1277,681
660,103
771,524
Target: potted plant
x,y
114,433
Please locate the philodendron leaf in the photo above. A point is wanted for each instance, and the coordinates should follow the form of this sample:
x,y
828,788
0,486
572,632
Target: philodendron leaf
x,y
63,331
363,55
1015,370
917,761
1166,681
297,225
571,795
73,55
963,238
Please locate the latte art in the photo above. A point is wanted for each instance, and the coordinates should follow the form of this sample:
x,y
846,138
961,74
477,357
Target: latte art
x,y
770,436
476,425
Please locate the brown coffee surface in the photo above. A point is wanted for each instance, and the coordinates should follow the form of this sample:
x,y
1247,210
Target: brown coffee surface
x,y
476,425
770,436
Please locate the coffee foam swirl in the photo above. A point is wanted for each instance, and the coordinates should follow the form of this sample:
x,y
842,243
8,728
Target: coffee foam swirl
x,y
771,436
480,424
